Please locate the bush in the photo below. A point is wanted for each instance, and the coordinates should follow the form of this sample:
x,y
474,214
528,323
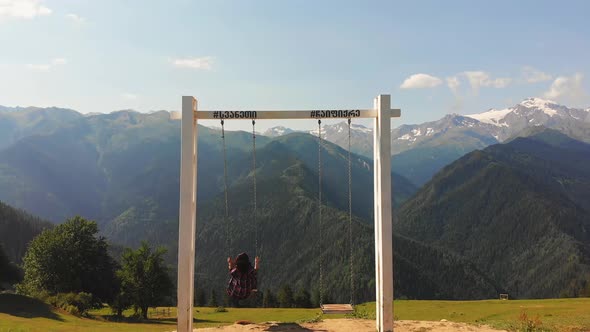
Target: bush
x,y
361,313
75,303
72,310
530,324
220,309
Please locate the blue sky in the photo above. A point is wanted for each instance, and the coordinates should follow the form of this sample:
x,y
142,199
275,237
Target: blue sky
x,y
433,57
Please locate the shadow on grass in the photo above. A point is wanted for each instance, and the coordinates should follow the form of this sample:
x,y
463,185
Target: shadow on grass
x,y
136,320
292,327
26,307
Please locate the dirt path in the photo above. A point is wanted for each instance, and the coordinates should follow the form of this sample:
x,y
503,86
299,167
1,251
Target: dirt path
x,y
356,325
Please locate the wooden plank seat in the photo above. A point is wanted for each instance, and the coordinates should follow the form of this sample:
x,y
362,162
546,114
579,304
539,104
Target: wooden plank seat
x,y
337,308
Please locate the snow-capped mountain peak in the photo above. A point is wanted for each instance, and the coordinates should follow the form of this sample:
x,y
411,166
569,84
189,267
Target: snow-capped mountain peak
x,y
489,127
277,131
537,102
531,109
547,106
493,116
360,128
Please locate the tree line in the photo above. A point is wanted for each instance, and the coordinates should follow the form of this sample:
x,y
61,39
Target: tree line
x,y
17,229
70,266
285,297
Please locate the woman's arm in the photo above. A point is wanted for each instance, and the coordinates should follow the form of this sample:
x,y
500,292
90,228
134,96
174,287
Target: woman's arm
x,y
230,263
256,263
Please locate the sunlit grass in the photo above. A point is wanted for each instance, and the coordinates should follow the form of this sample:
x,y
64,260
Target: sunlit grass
x,y
555,314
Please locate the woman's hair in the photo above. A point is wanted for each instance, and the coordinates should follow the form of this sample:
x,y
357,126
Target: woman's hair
x,y
243,262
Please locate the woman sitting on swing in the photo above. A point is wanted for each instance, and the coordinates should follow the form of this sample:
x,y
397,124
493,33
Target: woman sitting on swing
x,y
243,280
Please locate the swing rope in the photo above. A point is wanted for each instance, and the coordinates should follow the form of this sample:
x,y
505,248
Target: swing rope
x,y
335,308
320,211
350,214
255,203
228,241
226,215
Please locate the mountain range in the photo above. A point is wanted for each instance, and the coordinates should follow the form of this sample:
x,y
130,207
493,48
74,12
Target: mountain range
x,y
101,165
121,169
472,217
420,150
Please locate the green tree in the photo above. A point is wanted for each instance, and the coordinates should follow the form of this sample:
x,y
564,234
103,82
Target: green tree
x,y
144,277
302,298
200,297
268,299
586,292
315,298
285,297
69,258
120,301
17,229
256,299
227,301
9,273
212,299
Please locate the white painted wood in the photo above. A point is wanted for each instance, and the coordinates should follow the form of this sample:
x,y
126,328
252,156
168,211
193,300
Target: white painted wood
x,y
376,212
384,256
289,114
187,215
382,114
286,114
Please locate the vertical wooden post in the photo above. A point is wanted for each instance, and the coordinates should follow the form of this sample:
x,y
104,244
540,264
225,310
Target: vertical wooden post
x,y
187,215
377,212
383,223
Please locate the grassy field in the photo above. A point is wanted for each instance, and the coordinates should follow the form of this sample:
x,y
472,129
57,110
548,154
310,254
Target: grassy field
x,y
559,314
554,314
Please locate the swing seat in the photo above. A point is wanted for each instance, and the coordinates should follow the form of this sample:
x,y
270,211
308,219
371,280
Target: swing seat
x,y
337,308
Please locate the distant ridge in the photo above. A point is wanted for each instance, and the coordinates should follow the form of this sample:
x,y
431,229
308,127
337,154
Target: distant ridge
x,y
419,150
518,210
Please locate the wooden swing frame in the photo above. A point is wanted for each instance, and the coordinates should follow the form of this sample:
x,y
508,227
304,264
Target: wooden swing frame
x,y
381,113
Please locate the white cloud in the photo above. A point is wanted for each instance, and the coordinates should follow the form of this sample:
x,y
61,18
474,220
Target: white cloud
x,y
420,81
453,83
568,89
129,96
533,75
76,18
202,63
23,9
501,82
479,79
47,66
59,61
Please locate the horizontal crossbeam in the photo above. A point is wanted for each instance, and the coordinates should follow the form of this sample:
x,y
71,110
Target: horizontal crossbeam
x,y
301,114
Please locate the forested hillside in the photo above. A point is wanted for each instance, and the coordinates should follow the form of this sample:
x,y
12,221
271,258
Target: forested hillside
x,y
17,229
519,211
288,231
291,247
